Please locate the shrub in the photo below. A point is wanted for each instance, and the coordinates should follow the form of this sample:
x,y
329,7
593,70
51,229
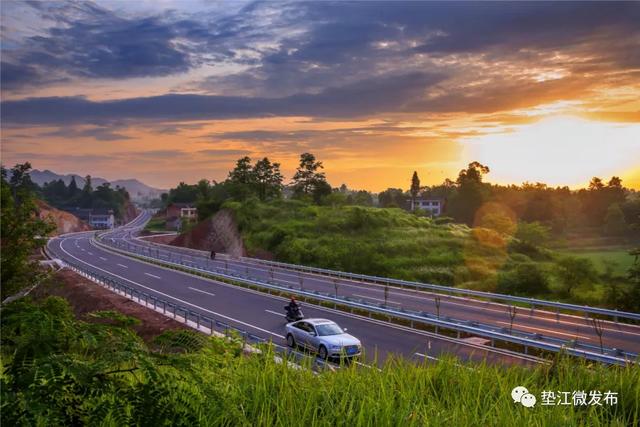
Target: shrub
x,y
525,278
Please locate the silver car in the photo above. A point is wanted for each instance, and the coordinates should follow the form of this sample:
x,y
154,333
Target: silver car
x,y
324,337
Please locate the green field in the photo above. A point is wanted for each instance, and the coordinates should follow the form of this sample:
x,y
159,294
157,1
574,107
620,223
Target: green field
x,y
156,224
619,259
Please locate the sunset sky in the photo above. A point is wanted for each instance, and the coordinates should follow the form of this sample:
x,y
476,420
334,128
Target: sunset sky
x,y
169,91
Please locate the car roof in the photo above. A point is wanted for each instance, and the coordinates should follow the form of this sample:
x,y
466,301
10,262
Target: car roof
x,y
317,321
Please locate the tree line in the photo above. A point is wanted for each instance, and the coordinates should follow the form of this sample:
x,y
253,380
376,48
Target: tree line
x,y
606,207
66,197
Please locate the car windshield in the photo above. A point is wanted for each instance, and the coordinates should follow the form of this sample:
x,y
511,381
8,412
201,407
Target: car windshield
x,y
328,329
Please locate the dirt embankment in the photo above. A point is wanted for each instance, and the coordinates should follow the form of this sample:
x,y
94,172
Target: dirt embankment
x,y
85,297
130,212
218,233
64,221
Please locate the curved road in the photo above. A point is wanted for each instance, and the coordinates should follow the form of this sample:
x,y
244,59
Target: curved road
x,y
262,314
560,326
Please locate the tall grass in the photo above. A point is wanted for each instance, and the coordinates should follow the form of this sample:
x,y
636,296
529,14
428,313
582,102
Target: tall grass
x,y
441,394
61,371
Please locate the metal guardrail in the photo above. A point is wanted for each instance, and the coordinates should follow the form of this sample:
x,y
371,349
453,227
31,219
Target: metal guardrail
x,y
422,317
532,302
178,312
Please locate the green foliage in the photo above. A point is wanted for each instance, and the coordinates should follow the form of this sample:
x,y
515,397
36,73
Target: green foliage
x,y
307,181
57,194
532,233
392,198
614,222
60,371
22,232
575,272
524,279
471,193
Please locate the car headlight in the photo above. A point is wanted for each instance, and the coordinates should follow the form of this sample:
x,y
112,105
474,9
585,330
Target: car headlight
x,y
336,347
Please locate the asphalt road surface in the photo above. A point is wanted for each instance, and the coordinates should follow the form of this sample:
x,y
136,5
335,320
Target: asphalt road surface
x,y
263,315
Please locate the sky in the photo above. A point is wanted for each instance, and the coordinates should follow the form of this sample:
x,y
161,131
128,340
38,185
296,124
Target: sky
x,y
169,91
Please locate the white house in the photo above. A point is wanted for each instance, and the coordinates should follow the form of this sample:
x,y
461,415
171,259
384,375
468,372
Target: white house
x,y
434,206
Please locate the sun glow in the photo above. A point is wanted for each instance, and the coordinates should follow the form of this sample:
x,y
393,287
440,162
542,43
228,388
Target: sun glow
x,y
563,150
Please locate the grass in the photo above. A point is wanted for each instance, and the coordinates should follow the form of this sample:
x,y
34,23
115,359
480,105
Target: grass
x,y
619,259
156,224
57,370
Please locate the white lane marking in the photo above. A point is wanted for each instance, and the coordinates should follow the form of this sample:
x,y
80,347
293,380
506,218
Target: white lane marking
x,y
376,299
102,258
426,356
152,275
200,290
338,313
122,265
549,330
90,253
274,312
174,298
546,315
351,316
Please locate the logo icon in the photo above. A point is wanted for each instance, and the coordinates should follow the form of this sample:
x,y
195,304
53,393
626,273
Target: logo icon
x,y
522,395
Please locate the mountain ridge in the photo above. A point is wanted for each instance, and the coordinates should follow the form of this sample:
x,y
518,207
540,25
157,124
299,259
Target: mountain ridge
x,y
136,188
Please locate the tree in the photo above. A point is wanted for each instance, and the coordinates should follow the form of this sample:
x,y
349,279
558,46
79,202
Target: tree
x,y
391,198
414,190
471,193
633,297
595,184
22,231
73,190
243,172
202,189
85,200
268,179
360,198
532,233
307,180
575,272
614,223
525,279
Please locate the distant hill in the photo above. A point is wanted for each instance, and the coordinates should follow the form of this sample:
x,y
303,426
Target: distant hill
x,y
136,189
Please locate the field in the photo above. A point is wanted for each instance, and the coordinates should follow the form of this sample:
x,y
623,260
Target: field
x,y
619,259
156,224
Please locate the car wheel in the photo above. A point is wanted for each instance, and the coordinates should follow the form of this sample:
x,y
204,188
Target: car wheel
x,y
322,352
290,341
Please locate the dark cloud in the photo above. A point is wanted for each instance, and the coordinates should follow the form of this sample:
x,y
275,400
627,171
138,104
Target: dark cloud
x,y
326,59
92,42
343,42
368,97
99,134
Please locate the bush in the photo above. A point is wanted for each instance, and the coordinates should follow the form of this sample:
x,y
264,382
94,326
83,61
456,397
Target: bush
x,y
524,279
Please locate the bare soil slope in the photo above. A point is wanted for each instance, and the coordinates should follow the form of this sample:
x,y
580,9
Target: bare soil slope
x,y
64,221
218,233
85,297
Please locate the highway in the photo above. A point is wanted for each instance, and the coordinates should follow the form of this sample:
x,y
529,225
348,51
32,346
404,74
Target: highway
x,y
263,314
548,324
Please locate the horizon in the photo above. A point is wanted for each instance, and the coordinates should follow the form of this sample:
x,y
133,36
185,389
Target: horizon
x,y
538,92
487,179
